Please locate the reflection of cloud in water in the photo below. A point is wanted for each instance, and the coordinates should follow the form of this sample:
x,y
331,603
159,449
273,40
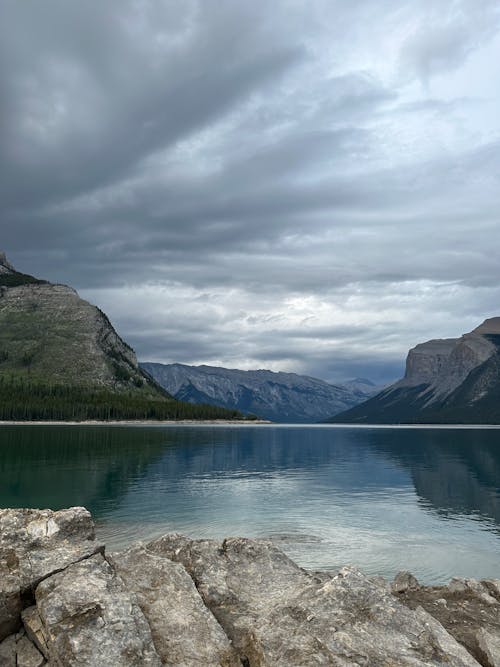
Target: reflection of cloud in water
x,y
328,496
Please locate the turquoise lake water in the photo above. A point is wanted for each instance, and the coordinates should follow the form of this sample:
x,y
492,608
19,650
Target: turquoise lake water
x,y
385,499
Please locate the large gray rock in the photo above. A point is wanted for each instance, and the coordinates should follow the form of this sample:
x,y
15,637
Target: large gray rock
x,y
8,652
33,545
279,615
27,654
489,645
185,632
18,651
404,581
90,619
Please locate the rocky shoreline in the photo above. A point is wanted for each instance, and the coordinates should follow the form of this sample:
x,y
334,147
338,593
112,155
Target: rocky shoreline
x,y
237,603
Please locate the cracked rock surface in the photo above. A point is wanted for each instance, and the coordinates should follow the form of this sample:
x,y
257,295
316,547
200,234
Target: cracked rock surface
x,y
91,619
231,603
184,631
33,545
278,615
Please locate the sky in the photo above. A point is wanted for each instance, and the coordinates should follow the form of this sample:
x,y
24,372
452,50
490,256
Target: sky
x,y
308,186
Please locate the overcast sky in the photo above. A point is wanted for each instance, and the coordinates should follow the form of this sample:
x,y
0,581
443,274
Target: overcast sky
x,y
301,185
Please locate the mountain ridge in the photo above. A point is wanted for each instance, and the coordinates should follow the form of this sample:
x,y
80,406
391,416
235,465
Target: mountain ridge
x,y
274,395
60,357
454,380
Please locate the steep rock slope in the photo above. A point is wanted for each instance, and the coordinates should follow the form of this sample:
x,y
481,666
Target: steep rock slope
x,y
60,357
455,380
282,397
48,333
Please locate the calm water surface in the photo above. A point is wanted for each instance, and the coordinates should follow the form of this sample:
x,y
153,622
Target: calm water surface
x,y
385,499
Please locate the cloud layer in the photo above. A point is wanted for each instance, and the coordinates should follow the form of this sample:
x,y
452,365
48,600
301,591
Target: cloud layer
x,y
305,186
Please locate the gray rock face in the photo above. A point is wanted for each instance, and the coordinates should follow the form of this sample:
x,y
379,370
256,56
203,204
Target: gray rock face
x,y
404,581
5,265
49,334
489,645
33,545
235,603
79,342
8,652
446,381
278,615
284,397
27,654
91,620
444,364
18,651
185,632
34,629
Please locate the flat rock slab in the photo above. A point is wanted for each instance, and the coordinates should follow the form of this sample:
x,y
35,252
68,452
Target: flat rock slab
x,y
91,619
278,615
185,632
33,545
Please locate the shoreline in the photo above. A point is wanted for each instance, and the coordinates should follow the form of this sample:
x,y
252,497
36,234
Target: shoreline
x,y
137,422
241,422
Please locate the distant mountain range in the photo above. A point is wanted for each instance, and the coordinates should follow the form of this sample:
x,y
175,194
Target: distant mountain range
x,y
60,358
280,397
454,380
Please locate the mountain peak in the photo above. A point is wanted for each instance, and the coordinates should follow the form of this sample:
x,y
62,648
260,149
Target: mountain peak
x,y
489,326
455,380
5,265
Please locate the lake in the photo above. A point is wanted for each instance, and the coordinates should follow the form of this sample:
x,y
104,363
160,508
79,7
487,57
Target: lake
x,y
385,499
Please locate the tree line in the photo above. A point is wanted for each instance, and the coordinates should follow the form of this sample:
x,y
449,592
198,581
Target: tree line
x,y
21,400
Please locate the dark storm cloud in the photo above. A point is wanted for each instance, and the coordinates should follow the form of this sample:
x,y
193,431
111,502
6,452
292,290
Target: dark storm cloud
x,y
82,114
257,184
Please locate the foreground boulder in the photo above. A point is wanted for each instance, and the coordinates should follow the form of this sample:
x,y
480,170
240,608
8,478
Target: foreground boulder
x,y
278,615
91,619
236,603
18,651
184,631
33,545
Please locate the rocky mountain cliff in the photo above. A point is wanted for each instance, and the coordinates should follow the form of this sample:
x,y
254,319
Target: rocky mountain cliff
x,y
48,331
59,353
281,397
455,380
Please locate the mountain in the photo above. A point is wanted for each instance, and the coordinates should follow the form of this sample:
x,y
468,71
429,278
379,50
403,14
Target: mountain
x,y
281,397
60,357
454,380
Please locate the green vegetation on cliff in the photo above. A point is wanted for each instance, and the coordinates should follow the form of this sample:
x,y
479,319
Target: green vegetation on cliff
x,y
61,359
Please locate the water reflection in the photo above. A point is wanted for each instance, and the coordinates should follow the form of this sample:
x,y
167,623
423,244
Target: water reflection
x,y
57,467
455,472
385,499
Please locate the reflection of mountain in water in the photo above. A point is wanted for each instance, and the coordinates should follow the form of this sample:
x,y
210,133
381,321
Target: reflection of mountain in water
x,y
260,451
456,471
56,467
453,471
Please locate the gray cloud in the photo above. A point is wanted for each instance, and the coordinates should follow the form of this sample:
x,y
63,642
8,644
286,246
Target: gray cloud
x,y
257,185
